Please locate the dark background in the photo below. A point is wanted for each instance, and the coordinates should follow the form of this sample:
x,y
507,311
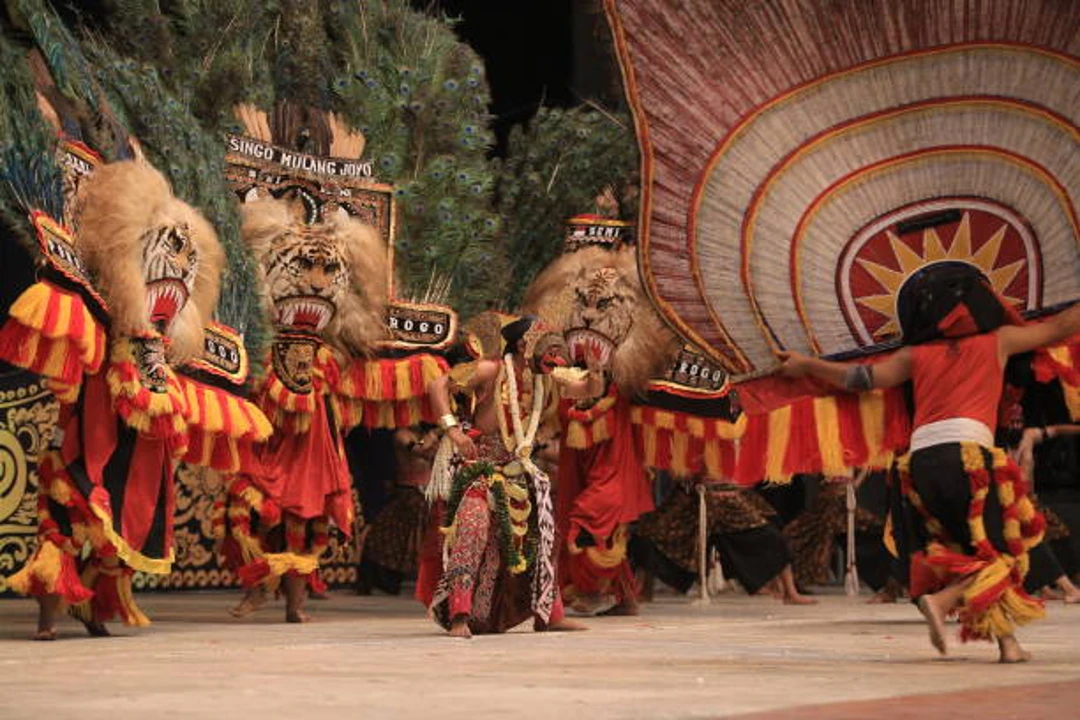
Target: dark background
x,y
537,52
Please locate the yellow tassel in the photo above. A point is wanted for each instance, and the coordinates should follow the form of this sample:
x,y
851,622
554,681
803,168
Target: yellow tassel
x,y
733,431
680,453
827,419
134,615
872,415
45,566
281,563
712,459
403,388
779,433
609,558
648,435
575,436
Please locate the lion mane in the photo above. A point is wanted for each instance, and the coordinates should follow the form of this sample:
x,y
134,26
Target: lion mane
x,y
122,207
275,231
555,295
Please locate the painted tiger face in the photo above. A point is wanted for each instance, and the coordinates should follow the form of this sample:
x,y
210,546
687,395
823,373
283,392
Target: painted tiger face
x,y
170,261
601,315
307,275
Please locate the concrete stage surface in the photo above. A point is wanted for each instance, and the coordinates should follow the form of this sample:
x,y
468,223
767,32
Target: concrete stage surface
x,y
378,657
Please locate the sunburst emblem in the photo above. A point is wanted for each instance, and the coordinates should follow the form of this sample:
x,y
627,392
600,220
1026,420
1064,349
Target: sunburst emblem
x,y
998,245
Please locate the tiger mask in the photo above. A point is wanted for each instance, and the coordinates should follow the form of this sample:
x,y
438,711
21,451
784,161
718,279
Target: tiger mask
x,y
594,294
327,278
155,259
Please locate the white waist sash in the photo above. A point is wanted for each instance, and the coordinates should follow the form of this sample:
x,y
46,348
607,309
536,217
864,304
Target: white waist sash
x,y
953,430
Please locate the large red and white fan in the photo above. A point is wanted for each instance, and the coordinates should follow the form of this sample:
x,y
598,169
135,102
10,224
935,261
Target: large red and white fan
x,y
802,158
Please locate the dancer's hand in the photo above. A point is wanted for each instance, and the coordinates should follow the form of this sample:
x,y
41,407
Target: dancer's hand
x,y
793,364
466,448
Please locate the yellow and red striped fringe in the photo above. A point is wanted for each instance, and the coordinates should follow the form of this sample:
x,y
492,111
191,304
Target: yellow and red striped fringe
x,y
51,332
994,602
829,435
687,444
1062,362
590,426
221,427
159,414
386,379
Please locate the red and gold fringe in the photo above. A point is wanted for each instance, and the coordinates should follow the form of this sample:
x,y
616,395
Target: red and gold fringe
x,y
222,428
590,426
396,379
829,434
1061,362
994,602
161,415
50,332
50,571
687,444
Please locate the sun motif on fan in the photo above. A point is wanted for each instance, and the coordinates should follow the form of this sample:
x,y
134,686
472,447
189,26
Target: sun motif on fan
x,y
878,260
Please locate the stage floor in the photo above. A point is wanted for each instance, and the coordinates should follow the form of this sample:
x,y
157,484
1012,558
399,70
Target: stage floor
x,y
378,657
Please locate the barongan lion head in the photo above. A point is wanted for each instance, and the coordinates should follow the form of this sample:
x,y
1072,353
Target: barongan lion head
x,y
155,259
595,296
328,278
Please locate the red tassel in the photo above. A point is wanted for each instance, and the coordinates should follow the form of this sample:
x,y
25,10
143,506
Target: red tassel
x,y
253,573
750,468
852,437
802,455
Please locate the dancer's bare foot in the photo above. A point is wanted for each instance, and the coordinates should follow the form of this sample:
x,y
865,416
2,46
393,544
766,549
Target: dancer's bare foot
x,y
96,628
881,597
255,598
563,625
49,607
935,620
789,591
592,604
625,608
1049,593
295,589
1011,652
297,616
1070,594
459,628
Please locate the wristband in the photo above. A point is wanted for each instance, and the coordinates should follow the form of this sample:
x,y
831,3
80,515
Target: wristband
x,y
448,421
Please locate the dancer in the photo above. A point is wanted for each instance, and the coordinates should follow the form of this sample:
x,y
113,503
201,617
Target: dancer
x,y
393,539
611,328
326,288
751,548
956,345
499,529
106,482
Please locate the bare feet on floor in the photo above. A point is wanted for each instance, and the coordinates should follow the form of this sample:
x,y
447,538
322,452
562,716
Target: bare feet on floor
x,y
297,616
48,610
253,600
627,607
798,599
96,629
563,625
459,628
882,597
1011,652
935,620
592,604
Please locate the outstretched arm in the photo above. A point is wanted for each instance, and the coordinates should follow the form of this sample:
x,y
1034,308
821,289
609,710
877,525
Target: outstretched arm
x,y
439,392
1013,339
856,377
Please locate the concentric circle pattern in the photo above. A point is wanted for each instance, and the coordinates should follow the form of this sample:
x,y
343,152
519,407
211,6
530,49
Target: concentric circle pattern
x,y
801,158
